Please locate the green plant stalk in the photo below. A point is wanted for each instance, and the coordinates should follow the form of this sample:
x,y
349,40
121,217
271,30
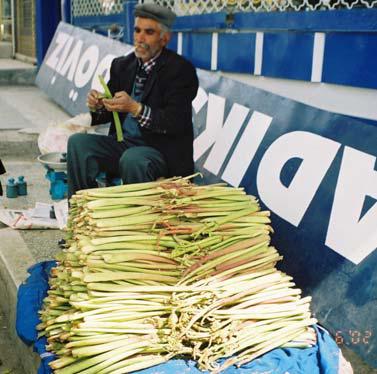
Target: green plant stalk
x,y
270,258
219,284
223,272
111,362
142,250
118,246
262,348
143,186
93,195
129,299
128,220
263,315
104,338
79,315
159,257
102,234
249,219
136,266
150,273
112,276
102,348
223,242
141,227
118,212
267,308
243,258
264,297
155,239
219,204
118,202
124,315
118,126
251,288
266,341
142,363
254,263
251,231
131,309
198,246
109,287
217,193
123,330
154,295
79,366
62,362
222,255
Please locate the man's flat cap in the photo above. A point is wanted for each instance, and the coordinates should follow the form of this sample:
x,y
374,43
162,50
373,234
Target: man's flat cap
x,y
159,13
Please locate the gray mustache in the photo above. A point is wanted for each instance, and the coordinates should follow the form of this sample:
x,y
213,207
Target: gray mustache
x,y
143,45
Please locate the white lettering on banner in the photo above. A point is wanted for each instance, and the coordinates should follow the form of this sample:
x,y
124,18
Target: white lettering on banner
x,y
103,69
64,55
214,123
68,60
72,60
89,59
200,100
317,154
60,41
347,234
246,148
225,138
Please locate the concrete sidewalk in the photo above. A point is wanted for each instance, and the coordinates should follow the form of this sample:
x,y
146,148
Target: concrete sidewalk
x,y
25,112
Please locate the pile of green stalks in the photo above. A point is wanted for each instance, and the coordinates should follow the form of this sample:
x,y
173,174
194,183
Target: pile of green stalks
x,y
164,269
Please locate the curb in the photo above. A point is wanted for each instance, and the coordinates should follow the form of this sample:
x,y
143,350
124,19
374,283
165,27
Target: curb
x,y
18,77
15,259
17,145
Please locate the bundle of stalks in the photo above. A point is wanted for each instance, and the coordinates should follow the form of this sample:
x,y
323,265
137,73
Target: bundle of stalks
x,y
155,270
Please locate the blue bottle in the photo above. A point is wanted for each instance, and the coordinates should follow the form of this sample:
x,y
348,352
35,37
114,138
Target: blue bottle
x,y
22,186
11,188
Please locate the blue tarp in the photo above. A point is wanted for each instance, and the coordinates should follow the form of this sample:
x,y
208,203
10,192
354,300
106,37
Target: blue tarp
x,y
321,359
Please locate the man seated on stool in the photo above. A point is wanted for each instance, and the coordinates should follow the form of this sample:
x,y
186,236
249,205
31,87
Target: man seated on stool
x,y
152,90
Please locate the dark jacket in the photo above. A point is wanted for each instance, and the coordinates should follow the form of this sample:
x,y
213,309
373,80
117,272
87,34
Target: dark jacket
x,y
169,91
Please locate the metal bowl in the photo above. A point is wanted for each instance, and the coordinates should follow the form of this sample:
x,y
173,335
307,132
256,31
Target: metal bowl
x,y
53,161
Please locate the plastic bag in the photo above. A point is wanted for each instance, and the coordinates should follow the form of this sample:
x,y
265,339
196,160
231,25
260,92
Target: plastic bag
x,y
55,137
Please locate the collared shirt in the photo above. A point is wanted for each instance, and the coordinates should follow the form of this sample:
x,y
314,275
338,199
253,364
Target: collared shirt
x,y
148,66
145,117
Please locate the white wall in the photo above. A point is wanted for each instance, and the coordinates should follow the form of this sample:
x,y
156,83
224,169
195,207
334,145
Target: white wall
x,y
358,102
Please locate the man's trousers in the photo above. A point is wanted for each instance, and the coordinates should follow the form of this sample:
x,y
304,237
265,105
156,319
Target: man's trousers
x,y
89,154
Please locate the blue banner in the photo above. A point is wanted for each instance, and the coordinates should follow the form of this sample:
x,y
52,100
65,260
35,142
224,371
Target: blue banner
x,y
72,64
314,170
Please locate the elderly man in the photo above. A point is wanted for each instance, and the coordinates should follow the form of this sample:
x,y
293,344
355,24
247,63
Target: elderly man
x,y
152,90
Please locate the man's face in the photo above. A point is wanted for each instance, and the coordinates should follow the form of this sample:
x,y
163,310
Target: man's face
x,y
147,38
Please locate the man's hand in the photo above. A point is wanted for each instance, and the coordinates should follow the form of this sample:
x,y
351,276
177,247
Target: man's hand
x,y
122,102
94,100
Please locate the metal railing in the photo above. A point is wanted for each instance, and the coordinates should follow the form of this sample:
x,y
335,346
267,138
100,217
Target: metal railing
x,y
191,7
81,8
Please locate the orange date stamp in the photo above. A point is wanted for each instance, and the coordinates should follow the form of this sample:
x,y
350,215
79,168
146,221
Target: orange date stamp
x,y
354,337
